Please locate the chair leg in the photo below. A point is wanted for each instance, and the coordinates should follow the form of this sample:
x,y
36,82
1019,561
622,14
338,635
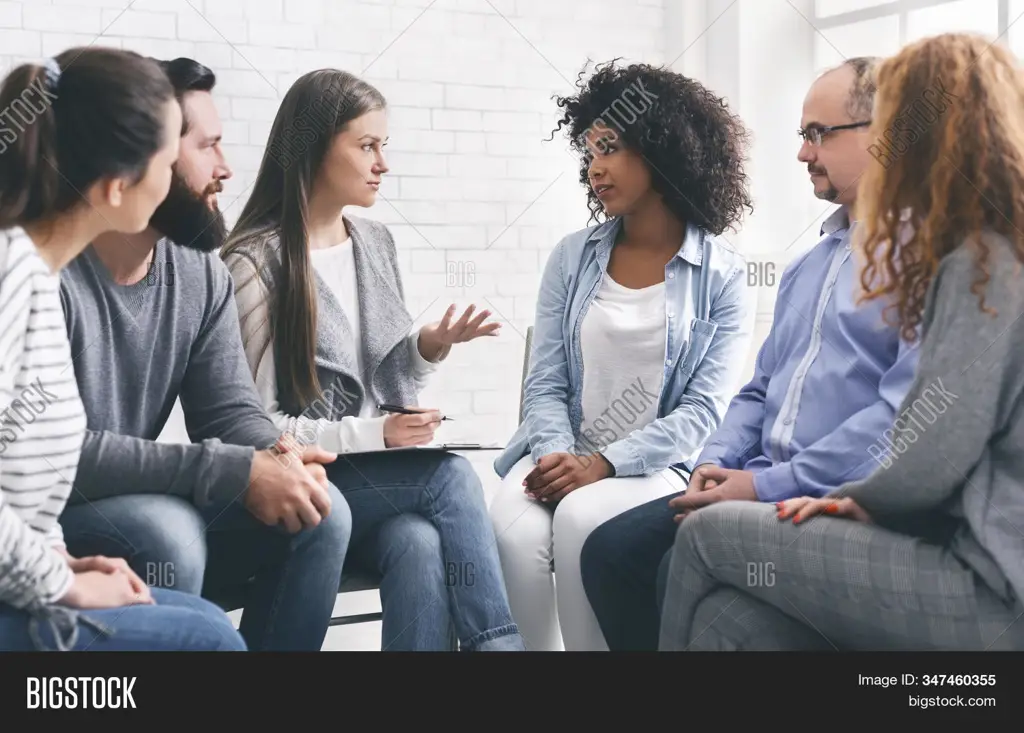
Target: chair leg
x,y
358,618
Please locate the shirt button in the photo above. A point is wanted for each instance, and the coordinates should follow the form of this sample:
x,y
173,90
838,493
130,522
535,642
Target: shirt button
x,y
668,362
670,314
671,275
787,421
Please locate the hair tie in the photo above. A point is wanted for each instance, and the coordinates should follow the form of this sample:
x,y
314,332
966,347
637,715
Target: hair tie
x,y
52,73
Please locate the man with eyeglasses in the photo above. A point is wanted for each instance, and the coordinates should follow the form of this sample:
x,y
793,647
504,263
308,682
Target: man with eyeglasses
x,y
828,381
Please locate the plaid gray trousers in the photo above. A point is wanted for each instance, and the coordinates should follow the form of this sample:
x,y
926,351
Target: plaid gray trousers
x,y
740,579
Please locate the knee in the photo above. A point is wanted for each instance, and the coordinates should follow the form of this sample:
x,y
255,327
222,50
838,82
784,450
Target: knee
x,y
518,519
712,525
335,530
519,528
232,642
212,630
456,480
171,551
576,517
726,522
211,627
690,535
163,538
416,541
598,548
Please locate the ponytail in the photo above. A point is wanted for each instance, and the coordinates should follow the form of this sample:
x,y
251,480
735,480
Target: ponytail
x,y
88,114
29,179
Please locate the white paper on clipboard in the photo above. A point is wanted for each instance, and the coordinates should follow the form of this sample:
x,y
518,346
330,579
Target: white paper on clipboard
x,y
451,446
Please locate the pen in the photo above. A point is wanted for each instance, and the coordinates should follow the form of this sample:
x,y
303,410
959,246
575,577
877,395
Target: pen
x,y
405,411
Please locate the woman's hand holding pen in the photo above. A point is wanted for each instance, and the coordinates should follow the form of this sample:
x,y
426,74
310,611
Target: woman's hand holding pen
x,y
437,339
418,428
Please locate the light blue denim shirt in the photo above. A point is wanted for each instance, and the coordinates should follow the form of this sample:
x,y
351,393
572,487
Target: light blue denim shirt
x,y
709,317
828,380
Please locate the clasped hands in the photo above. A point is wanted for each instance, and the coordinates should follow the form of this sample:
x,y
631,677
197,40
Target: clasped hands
x,y
710,484
103,582
557,474
288,485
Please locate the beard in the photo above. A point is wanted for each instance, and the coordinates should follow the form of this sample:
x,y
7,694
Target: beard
x,y
187,219
829,194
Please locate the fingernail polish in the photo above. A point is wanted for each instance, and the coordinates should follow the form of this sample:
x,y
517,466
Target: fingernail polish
x,y
796,520
831,509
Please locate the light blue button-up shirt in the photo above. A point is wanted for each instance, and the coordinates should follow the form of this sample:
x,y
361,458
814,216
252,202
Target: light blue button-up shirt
x,y
709,317
828,380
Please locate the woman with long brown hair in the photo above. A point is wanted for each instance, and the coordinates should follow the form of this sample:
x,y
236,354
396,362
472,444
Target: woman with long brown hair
x,y
329,340
92,152
926,553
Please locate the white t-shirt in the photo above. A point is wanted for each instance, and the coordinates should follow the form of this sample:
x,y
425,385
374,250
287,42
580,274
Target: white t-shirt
x,y
337,266
623,343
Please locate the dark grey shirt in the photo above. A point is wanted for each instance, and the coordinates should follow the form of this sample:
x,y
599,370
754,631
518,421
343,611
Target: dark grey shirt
x,y
136,349
957,446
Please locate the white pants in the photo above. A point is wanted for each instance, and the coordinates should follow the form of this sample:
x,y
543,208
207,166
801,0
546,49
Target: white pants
x,y
530,535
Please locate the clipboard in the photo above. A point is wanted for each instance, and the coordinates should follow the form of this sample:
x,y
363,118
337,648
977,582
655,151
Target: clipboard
x,y
449,447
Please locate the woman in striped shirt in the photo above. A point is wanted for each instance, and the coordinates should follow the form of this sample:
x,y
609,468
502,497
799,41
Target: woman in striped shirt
x,y
86,147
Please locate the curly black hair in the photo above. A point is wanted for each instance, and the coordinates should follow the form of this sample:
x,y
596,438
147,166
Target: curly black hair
x,y
694,147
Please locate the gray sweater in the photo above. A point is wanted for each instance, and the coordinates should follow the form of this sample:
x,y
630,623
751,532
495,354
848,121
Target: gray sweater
x,y
385,325
136,349
956,453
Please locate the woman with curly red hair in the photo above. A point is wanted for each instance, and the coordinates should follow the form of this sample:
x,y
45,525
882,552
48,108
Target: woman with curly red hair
x,y
927,552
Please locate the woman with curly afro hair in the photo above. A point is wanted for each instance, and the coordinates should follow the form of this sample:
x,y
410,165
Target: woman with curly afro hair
x,y
642,331
925,553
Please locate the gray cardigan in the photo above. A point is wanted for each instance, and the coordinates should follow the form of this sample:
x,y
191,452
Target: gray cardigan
x,y
384,324
957,446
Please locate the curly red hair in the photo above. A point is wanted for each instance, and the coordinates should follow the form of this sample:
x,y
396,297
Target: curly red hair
x,y
949,151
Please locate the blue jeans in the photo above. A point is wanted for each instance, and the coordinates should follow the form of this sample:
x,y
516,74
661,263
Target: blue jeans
x,y
419,521
177,622
624,564
172,544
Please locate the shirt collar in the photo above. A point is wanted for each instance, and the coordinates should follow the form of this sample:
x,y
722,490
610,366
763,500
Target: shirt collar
x,y
691,249
836,222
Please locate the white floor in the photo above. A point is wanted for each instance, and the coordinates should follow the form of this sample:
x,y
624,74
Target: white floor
x,y
366,637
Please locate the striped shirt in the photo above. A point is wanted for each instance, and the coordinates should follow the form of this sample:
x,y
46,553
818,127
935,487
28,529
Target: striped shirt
x,y
42,425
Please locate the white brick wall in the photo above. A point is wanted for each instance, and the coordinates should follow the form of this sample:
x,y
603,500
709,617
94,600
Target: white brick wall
x,y
476,198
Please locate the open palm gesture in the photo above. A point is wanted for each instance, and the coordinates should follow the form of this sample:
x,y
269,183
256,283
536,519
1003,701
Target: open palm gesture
x,y
437,339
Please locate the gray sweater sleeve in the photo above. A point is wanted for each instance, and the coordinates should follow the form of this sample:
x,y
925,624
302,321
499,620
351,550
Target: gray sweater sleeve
x,y
967,380
223,416
114,465
218,395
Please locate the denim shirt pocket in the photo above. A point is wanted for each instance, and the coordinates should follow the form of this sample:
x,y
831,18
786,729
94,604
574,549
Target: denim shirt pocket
x,y
701,334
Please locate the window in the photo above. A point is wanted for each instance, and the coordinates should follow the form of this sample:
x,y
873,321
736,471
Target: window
x,y
789,216
825,8
1015,24
979,16
848,28
874,37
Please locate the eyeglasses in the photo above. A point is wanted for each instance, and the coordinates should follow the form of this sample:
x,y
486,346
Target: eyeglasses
x,y
815,133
